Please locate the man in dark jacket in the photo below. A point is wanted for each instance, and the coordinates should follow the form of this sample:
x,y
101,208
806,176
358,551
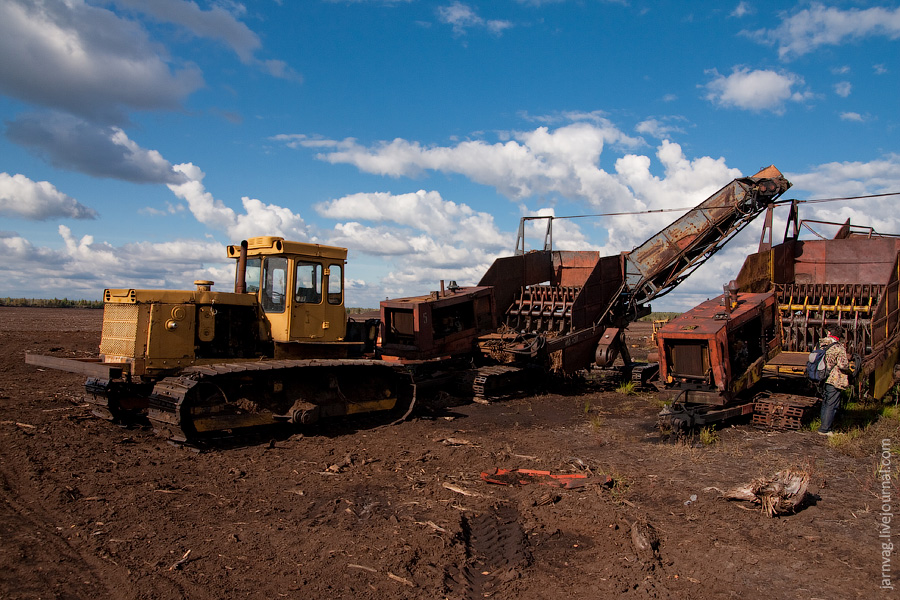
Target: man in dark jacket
x,y
837,365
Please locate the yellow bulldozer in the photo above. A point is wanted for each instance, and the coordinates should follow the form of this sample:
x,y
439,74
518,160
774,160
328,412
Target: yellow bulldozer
x,y
280,348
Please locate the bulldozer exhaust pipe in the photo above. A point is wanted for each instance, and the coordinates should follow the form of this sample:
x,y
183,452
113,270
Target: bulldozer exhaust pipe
x,y
240,283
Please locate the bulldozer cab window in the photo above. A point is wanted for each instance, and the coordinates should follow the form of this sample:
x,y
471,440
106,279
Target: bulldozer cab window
x,y
309,283
335,284
274,284
254,266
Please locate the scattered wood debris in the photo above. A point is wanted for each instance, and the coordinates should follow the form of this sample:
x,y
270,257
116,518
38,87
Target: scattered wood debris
x,y
433,525
452,441
401,579
779,495
464,492
19,424
180,563
645,541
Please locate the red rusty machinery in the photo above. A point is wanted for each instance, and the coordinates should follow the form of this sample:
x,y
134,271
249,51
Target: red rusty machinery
x,y
280,349
851,280
800,287
564,310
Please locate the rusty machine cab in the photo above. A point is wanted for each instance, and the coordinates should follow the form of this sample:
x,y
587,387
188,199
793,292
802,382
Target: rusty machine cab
x,y
299,287
718,349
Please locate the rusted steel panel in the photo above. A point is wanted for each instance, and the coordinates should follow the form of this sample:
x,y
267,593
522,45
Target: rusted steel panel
x,y
762,269
576,356
851,260
756,273
600,291
885,326
663,248
783,262
852,282
509,274
570,295
573,268
770,172
702,321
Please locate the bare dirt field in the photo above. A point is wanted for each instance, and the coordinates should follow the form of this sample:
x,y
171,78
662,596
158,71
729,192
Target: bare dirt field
x,y
356,509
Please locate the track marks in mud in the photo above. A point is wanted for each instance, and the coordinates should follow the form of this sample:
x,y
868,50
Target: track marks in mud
x,y
31,543
495,553
41,557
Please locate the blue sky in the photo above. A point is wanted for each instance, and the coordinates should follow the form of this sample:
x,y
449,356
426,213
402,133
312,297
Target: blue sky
x,y
141,137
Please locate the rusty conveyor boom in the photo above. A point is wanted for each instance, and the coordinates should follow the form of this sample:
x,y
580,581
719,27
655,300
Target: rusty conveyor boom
x,y
662,262
580,303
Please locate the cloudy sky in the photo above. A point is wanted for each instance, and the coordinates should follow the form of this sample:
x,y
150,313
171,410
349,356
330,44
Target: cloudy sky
x,y
139,137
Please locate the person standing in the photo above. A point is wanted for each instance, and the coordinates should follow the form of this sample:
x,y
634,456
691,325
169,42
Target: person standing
x,y
837,365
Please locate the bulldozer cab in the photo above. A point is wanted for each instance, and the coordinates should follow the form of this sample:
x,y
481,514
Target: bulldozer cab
x,y
300,287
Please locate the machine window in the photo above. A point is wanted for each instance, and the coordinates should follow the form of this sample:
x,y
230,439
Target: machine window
x,y
254,266
274,284
309,283
335,284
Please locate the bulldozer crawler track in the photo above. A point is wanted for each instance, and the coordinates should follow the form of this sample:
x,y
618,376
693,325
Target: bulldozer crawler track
x,y
116,401
224,399
493,382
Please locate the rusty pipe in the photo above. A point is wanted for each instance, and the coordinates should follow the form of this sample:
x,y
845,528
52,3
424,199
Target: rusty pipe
x,y
240,282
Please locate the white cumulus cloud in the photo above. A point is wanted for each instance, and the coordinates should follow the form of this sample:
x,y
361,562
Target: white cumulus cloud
x,y
755,89
462,17
257,219
83,267
426,237
101,151
843,88
542,161
423,210
220,22
852,116
820,25
85,60
853,178
38,200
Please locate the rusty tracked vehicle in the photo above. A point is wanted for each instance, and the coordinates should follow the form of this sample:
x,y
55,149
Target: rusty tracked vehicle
x,y
280,347
773,315
563,311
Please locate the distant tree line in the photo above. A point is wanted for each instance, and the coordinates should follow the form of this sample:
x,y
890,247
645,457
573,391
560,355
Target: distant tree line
x,y
51,303
66,303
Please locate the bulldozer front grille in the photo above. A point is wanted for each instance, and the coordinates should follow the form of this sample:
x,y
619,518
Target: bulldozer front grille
x,y
120,325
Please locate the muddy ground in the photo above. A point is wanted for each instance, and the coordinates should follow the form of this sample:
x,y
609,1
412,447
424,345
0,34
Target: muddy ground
x,y
89,509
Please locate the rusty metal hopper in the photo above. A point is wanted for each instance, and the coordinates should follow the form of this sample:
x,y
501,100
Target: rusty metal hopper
x,y
850,281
